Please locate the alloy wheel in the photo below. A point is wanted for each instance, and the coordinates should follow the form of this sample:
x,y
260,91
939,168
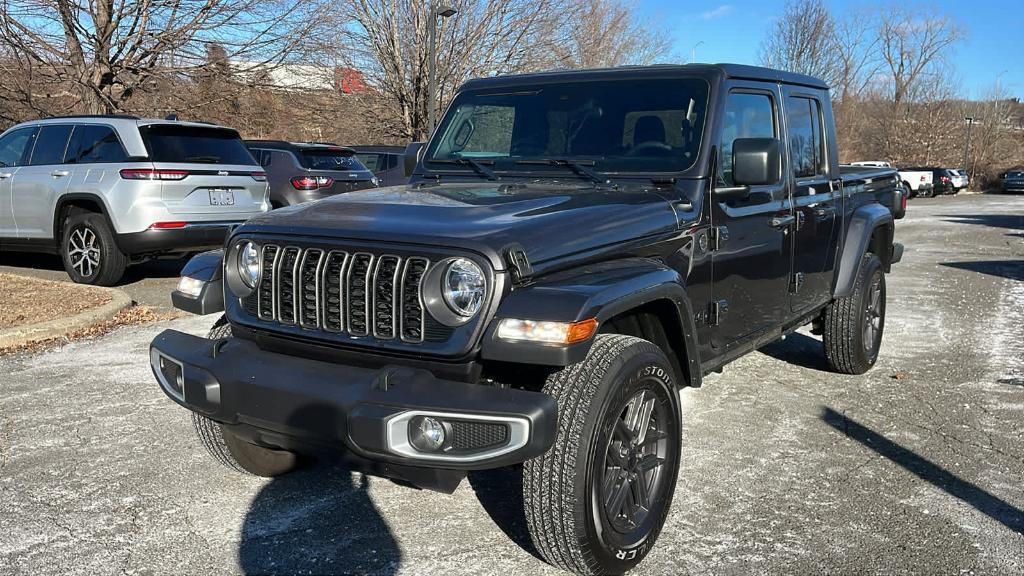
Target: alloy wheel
x,y
873,315
84,251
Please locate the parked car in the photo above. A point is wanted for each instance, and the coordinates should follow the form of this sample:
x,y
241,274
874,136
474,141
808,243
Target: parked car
x,y
960,179
304,171
917,182
573,247
107,191
1012,181
385,162
942,179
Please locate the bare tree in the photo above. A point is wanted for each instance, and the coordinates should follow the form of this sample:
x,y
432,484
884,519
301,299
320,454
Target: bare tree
x,y
94,56
804,40
608,33
912,42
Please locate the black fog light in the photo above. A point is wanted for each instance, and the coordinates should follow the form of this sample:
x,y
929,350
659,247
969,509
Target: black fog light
x,y
427,434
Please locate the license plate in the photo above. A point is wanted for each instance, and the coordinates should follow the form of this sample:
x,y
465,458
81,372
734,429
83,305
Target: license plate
x,y
222,198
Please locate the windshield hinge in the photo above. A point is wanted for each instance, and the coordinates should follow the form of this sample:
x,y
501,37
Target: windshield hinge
x,y
518,264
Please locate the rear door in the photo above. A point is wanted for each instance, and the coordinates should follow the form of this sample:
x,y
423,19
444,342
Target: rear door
x,y
751,263
817,192
94,155
36,187
14,149
206,172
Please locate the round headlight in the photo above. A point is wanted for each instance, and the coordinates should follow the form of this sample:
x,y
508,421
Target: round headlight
x,y
464,287
249,264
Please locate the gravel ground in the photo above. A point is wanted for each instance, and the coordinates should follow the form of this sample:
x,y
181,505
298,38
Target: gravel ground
x,y
31,300
913,468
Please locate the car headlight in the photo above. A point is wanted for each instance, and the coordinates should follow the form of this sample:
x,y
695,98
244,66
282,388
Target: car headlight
x,y
464,287
249,264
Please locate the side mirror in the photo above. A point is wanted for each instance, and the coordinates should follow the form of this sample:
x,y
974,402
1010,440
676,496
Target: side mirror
x,y
756,161
412,157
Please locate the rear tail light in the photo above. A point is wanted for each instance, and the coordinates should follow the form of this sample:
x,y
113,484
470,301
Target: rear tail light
x,y
311,182
151,174
259,176
903,202
944,178
922,178
166,225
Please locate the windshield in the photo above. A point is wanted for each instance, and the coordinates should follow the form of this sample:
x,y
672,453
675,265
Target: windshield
x,y
331,160
609,126
176,143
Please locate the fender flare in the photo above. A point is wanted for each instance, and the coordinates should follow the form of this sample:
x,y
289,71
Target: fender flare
x,y
863,223
599,291
66,199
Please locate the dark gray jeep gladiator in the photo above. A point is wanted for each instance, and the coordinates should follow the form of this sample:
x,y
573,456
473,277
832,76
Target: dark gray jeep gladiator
x,y
571,250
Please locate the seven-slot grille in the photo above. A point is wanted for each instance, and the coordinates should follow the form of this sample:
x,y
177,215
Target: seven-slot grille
x,y
358,293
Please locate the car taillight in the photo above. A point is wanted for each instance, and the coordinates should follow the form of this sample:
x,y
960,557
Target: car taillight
x,y
259,176
166,225
150,174
311,182
903,202
922,178
944,178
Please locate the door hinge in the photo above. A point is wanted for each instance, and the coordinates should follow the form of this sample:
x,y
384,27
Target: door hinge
x,y
719,235
796,282
518,264
716,311
801,217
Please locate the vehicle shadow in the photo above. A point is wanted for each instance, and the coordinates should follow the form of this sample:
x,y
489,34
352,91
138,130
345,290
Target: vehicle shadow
x,y
319,519
1011,269
799,349
158,268
1010,221
31,260
500,492
971,494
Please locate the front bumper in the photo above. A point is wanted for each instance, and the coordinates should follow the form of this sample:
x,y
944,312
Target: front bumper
x,y
283,401
192,237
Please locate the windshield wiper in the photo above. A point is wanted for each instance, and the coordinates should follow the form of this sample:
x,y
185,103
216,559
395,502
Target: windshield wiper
x,y
577,166
476,165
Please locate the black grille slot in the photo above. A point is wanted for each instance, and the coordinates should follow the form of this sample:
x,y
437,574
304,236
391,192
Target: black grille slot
x,y
359,294
476,436
287,273
265,301
412,307
385,281
331,287
309,286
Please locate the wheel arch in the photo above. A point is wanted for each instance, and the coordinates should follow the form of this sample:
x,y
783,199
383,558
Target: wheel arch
x,y
86,202
871,229
625,297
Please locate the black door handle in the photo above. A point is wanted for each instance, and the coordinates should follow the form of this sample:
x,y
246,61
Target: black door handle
x,y
782,221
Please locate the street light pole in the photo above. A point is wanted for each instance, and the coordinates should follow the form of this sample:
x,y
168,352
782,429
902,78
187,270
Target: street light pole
x,y
693,51
443,12
967,146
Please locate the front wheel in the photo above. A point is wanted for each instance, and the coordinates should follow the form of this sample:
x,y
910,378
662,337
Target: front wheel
x,y
853,325
89,252
596,502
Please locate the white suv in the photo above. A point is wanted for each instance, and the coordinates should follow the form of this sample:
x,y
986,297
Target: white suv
x,y
108,191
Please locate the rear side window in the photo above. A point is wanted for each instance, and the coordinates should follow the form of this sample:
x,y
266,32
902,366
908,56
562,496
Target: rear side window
x,y
93,143
805,146
13,145
746,116
371,161
330,160
192,144
51,143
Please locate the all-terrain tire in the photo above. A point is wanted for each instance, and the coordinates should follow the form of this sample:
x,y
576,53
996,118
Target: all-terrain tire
x,y
851,345
232,451
89,251
564,491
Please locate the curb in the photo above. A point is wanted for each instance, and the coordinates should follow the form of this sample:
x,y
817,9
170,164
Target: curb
x,y
22,335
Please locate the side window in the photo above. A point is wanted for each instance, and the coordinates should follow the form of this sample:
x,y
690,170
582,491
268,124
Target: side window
x,y
13,145
371,161
51,143
91,143
263,157
806,152
747,115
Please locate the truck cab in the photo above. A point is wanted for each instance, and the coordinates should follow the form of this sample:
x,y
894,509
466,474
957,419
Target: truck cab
x,y
572,248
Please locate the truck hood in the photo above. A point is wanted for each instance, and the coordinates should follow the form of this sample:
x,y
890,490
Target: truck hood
x,y
549,222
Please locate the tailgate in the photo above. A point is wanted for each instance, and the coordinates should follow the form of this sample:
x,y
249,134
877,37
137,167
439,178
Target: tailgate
x,y
204,189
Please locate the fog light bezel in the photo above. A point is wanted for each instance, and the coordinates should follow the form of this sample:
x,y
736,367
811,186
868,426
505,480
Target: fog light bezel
x,y
398,440
155,357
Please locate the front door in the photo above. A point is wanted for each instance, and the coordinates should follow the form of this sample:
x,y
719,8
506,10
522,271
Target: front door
x,y
751,240
816,194
12,156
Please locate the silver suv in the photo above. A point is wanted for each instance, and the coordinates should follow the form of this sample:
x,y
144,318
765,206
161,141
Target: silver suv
x,y
108,191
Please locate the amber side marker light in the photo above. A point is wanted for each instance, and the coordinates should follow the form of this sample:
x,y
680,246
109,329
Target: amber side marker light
x,y
544,332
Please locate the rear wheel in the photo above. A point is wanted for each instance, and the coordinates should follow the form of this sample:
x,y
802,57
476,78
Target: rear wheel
x,y
853,325
234,452
596,502
89,252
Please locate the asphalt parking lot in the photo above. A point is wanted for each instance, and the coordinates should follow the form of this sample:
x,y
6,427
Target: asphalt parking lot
x,y
914,468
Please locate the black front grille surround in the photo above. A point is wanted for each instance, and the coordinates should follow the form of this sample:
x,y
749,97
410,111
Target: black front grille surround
x,y
354,294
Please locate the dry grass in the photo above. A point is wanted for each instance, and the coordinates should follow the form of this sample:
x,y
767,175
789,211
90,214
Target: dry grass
x,y
31,300
133,316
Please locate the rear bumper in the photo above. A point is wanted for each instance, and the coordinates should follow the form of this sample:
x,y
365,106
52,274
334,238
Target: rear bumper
x,y
191,237
288,402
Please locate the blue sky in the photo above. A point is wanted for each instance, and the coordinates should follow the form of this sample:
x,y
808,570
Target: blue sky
x,y
732,30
